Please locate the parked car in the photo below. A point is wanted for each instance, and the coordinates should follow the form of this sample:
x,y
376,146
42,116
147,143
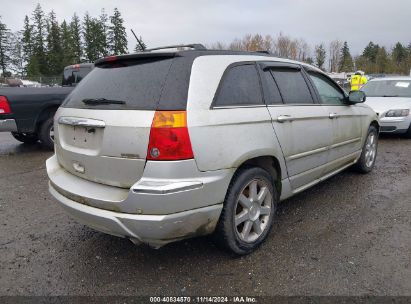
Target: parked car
x,y
390,97
28,112
161,146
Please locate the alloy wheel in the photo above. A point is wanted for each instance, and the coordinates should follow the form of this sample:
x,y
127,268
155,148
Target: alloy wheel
x,y
253,210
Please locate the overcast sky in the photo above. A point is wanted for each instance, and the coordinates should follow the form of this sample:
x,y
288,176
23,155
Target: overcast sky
x,y
162,22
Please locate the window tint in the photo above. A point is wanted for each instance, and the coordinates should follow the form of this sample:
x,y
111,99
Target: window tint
x,y
138,83
329,93
292,86
272,94
240,86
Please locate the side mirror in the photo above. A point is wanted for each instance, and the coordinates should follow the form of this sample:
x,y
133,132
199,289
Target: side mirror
x,y
356,97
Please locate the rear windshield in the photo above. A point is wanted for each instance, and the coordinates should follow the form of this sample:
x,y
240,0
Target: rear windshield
x,y
388,88
72,76
125,84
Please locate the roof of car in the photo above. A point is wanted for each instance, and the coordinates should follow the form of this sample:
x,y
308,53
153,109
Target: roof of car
x,y
192,54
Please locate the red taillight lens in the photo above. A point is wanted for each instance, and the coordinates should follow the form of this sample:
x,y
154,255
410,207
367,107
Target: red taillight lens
x,y
4,105
169,138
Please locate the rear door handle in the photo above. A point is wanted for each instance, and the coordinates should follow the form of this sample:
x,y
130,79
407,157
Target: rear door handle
x,y
284,118
333,115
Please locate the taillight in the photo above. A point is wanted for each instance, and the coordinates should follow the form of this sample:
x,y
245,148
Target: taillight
x,y
4,105
169,139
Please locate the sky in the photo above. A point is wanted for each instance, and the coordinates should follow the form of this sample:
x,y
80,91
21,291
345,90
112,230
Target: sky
x,y
165,22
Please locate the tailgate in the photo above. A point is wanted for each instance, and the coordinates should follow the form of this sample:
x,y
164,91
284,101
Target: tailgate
x,y
104,146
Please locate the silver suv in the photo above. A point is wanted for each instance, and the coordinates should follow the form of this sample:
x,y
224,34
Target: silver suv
x,y
161,146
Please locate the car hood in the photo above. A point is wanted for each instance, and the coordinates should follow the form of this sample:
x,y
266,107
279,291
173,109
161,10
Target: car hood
x,y
383,104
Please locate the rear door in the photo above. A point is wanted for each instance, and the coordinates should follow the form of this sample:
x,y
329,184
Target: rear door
x,y
346,121
302,126
103,127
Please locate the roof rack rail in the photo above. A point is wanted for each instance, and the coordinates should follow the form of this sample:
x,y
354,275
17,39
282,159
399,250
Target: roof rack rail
x,y
263,52
194,46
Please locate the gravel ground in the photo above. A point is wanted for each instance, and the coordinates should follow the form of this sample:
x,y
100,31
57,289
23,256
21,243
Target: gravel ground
x,y
350,235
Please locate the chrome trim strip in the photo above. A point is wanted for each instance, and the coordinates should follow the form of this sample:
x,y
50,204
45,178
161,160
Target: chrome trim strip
x,y
343,143
160,188
308,153
83,122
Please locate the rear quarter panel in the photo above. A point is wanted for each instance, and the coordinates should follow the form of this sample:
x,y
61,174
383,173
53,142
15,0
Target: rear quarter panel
x,y
226,137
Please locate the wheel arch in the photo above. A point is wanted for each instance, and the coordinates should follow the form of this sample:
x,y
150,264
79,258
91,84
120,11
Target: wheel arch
x,y
45,113
269,163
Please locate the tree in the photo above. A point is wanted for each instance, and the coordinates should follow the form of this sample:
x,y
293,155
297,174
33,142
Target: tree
x,y
346,62
4,47
39,38
75,33
54,51
68,56
117,37
334,60
142,47
370,52
27,42
90,48
320,56
400,58
17,53
101,31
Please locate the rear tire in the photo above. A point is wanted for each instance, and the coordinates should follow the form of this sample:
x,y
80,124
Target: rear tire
x,y
248,213
366,162
27,138
46,134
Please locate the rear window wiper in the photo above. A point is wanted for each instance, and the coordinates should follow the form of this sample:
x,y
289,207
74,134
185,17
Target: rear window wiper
x,y
101,101
390,96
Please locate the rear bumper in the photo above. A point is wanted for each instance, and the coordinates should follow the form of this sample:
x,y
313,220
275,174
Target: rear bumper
x,y
8,125
155,230
155,210
395,124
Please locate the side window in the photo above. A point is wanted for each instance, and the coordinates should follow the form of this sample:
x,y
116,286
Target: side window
x,y
328,91
272,94
292,86
240,86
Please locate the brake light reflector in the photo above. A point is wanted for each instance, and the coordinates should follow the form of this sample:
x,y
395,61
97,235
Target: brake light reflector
x,y
169,138
4,105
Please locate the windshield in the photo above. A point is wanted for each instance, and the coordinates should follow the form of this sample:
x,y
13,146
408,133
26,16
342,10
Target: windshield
x,y
138,83
388,88
73,76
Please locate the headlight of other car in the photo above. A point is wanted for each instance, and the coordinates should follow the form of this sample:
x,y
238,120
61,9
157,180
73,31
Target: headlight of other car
x,y
397,113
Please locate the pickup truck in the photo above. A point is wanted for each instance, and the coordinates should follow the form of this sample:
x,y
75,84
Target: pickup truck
x,y
28,112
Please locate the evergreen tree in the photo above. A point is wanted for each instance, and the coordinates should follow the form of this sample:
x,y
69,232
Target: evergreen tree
x,y
39,46
399,54
17,53
54,51
346,62
320,56
371,51
75,33
89,39
4,48
67,45
27,42
117,34
101,31
382,61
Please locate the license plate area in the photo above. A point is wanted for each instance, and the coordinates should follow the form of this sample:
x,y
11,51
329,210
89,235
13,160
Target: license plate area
x,y
82,137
